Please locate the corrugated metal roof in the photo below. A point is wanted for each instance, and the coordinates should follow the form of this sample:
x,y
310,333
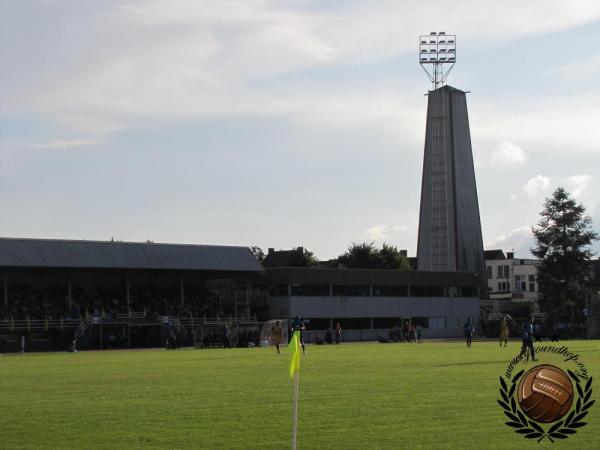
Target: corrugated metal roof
x,y
16,252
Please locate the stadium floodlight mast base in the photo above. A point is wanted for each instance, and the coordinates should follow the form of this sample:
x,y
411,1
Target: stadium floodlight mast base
x,y
437,56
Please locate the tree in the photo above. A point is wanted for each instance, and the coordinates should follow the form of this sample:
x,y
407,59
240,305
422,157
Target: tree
x,y
367,256
391,258
304,258
258,253
562,243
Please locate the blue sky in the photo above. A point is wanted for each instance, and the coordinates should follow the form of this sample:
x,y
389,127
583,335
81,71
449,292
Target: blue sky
x,y
281,124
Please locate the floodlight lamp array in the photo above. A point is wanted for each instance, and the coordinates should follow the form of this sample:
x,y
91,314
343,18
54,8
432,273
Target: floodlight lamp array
x,y
437,56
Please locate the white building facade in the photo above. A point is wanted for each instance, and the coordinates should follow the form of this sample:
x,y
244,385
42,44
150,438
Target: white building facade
x,y
511,279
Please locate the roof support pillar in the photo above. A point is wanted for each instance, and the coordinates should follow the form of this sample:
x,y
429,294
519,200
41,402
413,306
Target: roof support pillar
x,y
5,285
127,290
181,292
69,299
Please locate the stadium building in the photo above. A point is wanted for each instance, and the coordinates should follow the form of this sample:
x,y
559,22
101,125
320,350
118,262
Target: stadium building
x,y
116,294
368,303
132,295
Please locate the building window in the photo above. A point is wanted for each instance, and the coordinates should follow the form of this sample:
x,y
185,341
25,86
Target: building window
x,y
351,291
489,272
499,271
506,272
531,278
503,286
437,323
531,287
523,286
490,288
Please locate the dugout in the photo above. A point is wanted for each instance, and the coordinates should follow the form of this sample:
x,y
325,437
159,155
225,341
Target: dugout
x,y
111,294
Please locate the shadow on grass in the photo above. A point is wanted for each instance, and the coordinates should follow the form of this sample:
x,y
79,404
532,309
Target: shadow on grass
x,y
469,363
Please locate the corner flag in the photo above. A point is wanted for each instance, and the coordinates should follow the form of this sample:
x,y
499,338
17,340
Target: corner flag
x,y
294,346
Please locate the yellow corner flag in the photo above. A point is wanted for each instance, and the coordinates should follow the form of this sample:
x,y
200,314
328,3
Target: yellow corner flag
x,y
294,346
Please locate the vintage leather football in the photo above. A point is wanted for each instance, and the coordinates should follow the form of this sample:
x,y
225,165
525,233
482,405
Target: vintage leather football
x,y
545,393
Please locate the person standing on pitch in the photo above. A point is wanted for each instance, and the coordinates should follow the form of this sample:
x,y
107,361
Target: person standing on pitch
x,y
338,332
527,332
469,330
277,335
504,330
298,325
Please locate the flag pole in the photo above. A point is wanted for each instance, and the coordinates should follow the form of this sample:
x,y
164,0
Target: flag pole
x,y
295,412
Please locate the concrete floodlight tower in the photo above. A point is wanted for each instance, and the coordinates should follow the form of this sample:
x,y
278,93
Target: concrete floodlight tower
x,y
449,224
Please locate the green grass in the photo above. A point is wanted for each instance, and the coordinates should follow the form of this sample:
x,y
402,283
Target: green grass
x,y
352,396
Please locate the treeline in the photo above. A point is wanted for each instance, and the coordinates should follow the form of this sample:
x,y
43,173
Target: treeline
x,y
364,255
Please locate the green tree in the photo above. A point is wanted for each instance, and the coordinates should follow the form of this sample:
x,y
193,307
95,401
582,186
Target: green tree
x,y
258,253
306,258
366,255
562,243
391,258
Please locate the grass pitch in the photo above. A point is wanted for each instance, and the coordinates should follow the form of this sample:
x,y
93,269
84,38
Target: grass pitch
x,y
352,396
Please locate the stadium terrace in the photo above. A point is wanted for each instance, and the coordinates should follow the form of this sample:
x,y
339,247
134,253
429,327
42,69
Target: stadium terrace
x,y
109,294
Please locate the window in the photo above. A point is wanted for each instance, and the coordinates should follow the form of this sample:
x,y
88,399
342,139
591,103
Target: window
x,y
427,291
499,271
390,291
307,290
490,288
523,286
531,278
386,322
437,323
363,323
506,271
351,291
423,321
531,287
503,286
517,278
489,272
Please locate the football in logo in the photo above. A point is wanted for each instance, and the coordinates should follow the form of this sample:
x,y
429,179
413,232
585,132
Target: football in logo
x,y
545,393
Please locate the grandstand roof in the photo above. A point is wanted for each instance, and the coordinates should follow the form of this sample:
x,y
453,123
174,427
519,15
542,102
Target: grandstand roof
x,y
54,253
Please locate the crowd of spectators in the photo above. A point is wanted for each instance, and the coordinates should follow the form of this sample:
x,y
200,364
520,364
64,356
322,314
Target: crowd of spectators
x,y
408,333
52,302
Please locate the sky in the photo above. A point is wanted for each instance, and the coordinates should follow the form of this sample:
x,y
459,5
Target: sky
x,y
285,123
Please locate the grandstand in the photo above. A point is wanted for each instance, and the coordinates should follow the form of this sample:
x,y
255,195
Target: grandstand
x,y
111,294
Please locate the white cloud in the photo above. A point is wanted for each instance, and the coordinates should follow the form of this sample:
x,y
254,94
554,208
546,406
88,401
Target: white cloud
x,y
537,185
191,60
383,232
581,70
68,143
519,240
578,185
508,153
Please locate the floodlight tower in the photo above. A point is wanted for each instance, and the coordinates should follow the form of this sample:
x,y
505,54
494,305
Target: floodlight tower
x,y
449,224
437,55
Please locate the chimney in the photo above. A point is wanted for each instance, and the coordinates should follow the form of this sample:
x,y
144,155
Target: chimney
x,y
510,255
271,251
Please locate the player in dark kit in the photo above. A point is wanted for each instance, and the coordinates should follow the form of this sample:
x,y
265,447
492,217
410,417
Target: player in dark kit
x,y
527,333
299,325
469,330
